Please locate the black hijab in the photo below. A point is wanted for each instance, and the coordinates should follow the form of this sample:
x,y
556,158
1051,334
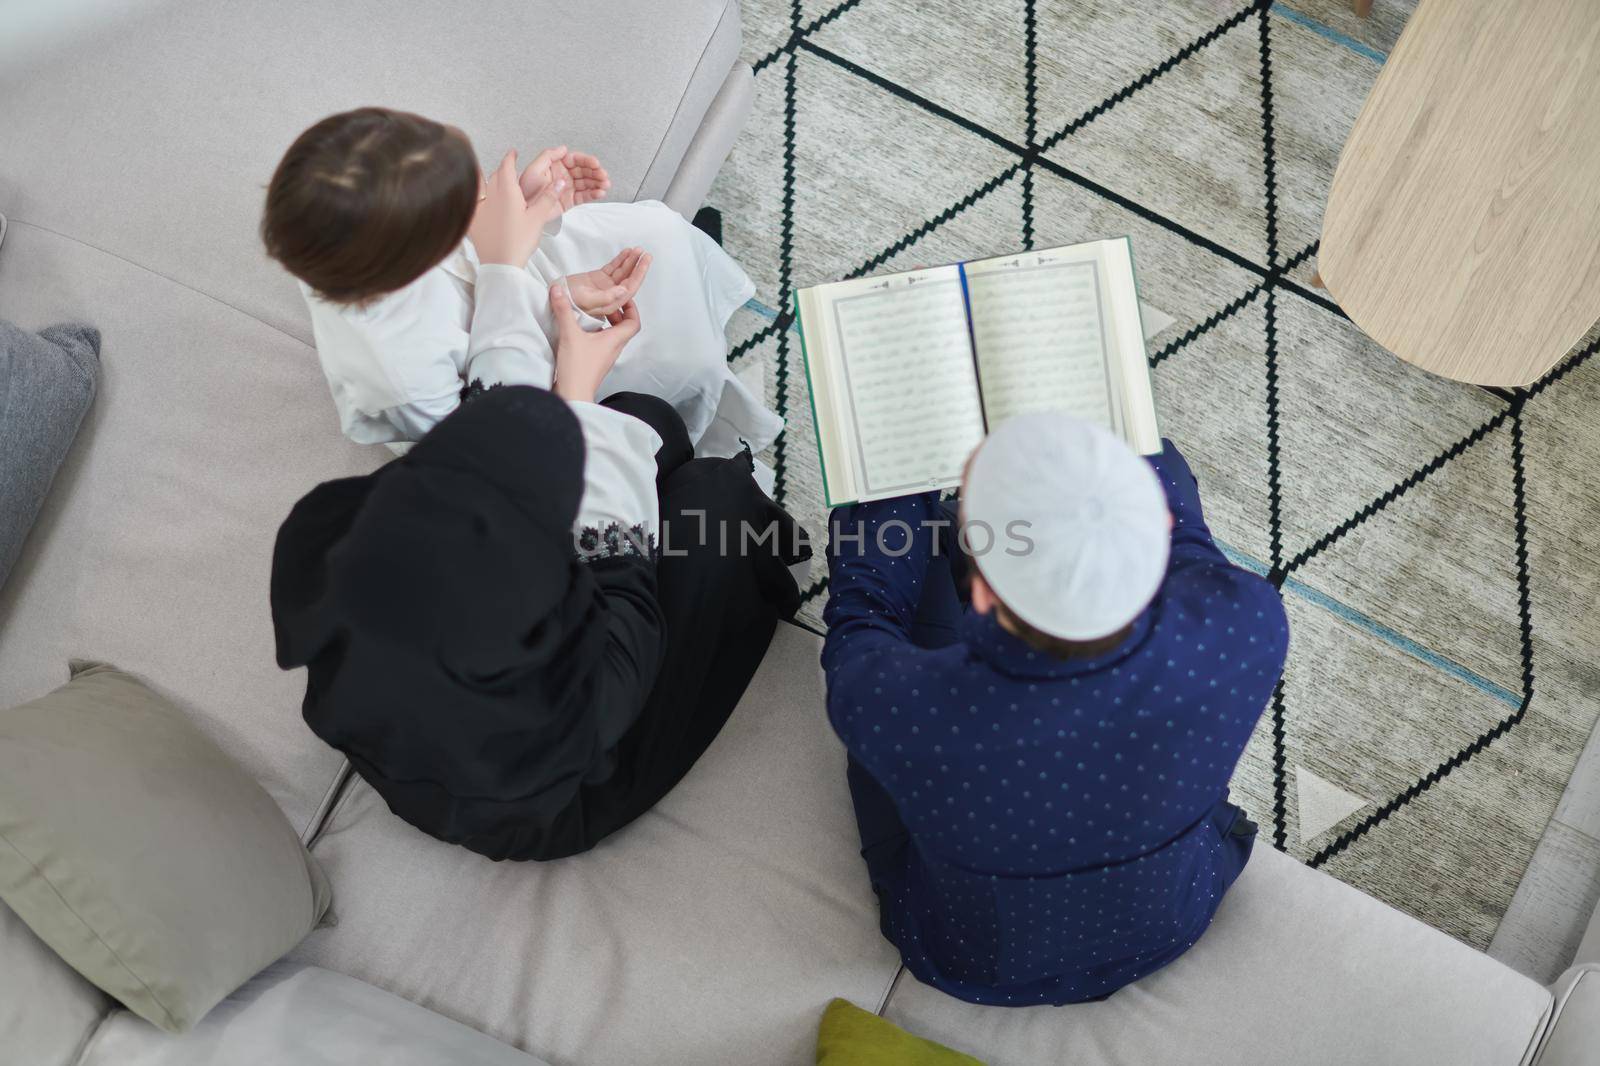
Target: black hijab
x,y
455,644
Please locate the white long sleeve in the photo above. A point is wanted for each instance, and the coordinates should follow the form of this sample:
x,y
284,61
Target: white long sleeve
x,y
619,513
396,366
512,323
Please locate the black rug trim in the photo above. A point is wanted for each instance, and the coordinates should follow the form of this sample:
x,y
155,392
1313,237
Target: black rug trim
x,y
1280,778
780,447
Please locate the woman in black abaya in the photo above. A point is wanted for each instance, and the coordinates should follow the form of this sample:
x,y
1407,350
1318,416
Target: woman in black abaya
x,y
493,634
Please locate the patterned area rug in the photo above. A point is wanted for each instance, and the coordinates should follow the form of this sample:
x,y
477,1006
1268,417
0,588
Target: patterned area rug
x,y
1434,542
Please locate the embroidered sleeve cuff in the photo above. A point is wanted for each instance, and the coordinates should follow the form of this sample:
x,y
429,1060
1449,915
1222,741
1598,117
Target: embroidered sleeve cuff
x,y
619,511
509,341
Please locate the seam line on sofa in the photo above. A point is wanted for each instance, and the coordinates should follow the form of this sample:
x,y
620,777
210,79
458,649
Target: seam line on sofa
x,y
164,277
1541,1032
894,982
676,111
325,808
1556,1008
86,1045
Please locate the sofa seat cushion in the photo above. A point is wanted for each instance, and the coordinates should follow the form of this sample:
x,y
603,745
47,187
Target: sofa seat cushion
x,y
295,1015
189,107
715,929
47,1010
154,547
1296,968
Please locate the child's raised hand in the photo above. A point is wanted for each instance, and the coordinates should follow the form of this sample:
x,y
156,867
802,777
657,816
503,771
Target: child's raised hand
x,y
584,359
586,180
602,292
506,226
589,179
541,172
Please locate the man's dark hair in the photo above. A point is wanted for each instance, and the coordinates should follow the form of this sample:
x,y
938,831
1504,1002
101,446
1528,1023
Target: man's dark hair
x,y
1056,647
365,202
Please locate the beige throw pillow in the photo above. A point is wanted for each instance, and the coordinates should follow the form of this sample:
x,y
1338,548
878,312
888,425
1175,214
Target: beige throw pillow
x,y
140,853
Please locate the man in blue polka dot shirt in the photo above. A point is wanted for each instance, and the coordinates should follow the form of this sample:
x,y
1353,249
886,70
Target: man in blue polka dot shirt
x,y
1041,728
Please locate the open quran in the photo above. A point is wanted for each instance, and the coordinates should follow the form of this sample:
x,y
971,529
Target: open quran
x,y
909,371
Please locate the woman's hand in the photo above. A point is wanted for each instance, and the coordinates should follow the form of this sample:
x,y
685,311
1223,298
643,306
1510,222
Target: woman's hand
x,y
507,225
603,292
586,180
584,359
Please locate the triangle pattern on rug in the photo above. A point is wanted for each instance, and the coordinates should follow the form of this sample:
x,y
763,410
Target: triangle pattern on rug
x,y
746,328
1186,282
1223,370
1318,87
1154,320
992,225
970,57
1078,70
1562,502
1189,146
1322,804
852,213
748,190
1353,421
1438,566
765,25
1251,786
1366,709
1482,819
811,10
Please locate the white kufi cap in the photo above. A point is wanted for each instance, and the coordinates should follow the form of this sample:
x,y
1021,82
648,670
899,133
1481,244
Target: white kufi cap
x,y
1094,512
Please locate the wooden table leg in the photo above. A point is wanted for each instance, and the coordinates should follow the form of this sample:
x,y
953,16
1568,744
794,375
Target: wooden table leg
x,y
1363,7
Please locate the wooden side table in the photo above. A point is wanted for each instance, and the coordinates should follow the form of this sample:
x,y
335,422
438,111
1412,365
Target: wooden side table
x,y
1462,231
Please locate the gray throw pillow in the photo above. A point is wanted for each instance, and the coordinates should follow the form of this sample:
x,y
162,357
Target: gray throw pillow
x,y
47,383
140,853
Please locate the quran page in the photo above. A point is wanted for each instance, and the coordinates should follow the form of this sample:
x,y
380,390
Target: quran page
x,y
1038,323
898,364
1060,330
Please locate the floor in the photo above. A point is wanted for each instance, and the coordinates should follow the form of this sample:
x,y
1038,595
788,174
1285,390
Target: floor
x,y
891,133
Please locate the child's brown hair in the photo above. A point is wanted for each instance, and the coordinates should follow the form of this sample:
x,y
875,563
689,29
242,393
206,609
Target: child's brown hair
x,y
367,201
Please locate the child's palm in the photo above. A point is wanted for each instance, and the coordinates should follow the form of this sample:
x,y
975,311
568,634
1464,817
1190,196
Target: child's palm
x,y
604,291
589,180
586,180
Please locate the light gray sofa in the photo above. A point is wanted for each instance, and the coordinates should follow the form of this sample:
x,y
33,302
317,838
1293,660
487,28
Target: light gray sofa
x,y
715,929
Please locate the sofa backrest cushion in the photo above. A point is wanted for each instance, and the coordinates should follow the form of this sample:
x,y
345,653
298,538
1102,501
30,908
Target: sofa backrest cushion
x,y
195,101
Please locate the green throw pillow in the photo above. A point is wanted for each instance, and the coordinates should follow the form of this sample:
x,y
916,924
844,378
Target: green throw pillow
x,y
850,1036
140,853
